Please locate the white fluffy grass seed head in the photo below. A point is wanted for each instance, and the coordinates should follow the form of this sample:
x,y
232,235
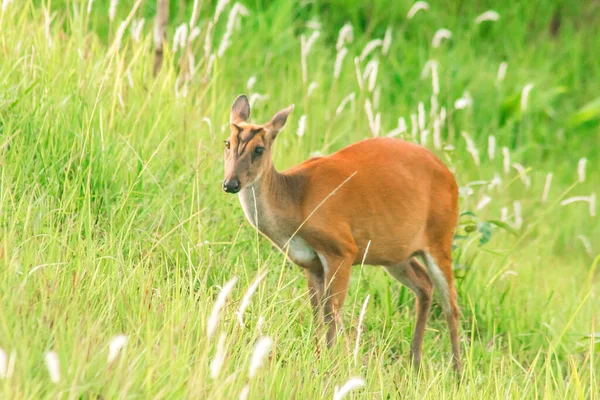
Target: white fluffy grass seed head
x,y
53,366
345,36
217,362
372,45
213,320
525,96
398,130
251,82
440,34
339,60
581,169
464,102
180,37
484,201
471,148
301,126
489,15
262,348
219,9
387,41
348,99
418,6
112,9
3,363
502,71
350,385
115,346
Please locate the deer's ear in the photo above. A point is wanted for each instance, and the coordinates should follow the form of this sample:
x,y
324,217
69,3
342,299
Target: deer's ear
x,y
278,121
240,110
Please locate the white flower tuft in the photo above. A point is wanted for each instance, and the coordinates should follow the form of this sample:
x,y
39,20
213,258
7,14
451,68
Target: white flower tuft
x,y
502,71
251,82
350,385
115,346
180,37
581,169
339,59
471,148
370,73
305,46
137,26
358,74
245,392
262,348
525,96
418,6
504,214
213,320
421,115
485,200
506,155
399,130
387,41
219,9
345,100
301,126
112,9
89,7
435,81
217,362
591,200
522,175
313,24
311,88
440,34
437,133
3,363
489,15
464,102
491,146
53,366
517,211
236,10
372,45
345,36
495,182
547,187
359,327
374,120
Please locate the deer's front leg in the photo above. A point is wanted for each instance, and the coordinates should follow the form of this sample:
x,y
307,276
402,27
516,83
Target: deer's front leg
x,y
337,277
316,291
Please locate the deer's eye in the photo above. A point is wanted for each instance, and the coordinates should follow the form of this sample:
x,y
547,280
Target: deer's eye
x,y
227,144
259,150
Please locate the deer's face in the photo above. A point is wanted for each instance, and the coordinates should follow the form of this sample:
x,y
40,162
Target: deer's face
x,y
248,148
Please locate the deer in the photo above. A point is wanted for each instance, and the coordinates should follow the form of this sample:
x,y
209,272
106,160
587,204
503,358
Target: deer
x,y
380,201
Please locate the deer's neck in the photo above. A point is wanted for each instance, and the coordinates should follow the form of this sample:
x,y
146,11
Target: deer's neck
x,y
271,204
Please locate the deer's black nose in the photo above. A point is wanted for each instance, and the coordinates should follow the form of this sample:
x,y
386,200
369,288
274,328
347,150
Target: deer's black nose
x,y
231,185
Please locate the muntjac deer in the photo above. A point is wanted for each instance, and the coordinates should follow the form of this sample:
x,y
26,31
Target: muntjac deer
x,y
323,214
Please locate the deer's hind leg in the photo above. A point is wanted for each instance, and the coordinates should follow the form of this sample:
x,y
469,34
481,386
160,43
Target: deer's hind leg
x,y
413,275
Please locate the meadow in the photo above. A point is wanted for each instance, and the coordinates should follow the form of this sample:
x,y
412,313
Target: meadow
x,y
126,272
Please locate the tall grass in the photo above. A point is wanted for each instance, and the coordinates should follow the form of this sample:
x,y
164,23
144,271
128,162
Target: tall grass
x,y
117,243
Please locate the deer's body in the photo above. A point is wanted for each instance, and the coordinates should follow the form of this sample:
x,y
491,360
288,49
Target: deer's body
x,y
384,200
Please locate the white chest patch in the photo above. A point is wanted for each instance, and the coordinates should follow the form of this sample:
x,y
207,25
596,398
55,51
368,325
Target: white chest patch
x,y
300,251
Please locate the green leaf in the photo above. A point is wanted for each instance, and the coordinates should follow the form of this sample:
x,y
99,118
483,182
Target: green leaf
x,y
486,232
504,226
585,114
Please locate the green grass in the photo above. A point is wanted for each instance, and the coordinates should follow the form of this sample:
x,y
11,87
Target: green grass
x,y
113,221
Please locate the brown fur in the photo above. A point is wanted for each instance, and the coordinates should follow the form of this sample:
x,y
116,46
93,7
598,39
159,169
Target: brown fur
x,y
401,199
